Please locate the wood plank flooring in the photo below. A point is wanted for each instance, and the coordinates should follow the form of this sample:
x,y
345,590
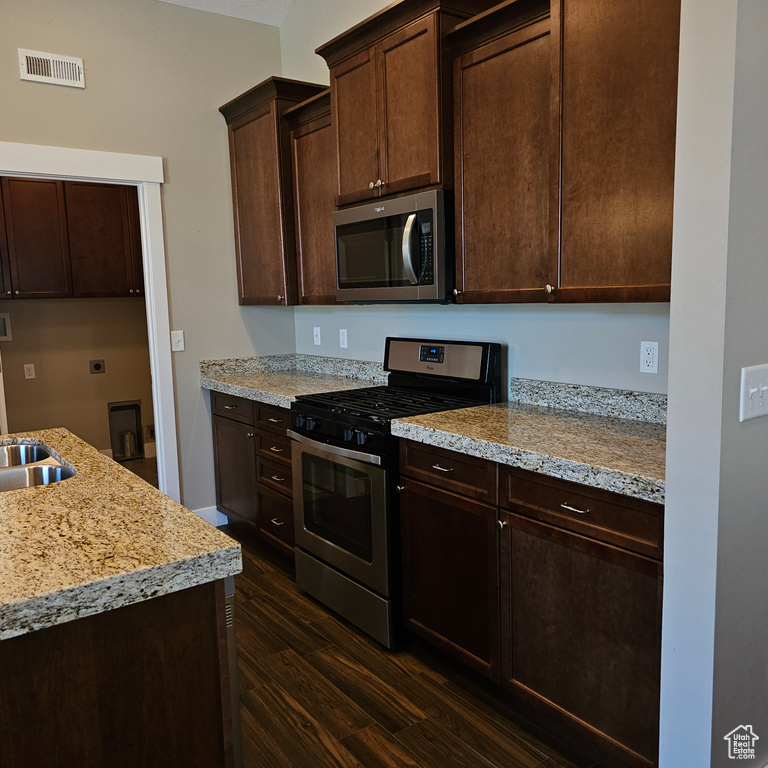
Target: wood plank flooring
x,y
316,692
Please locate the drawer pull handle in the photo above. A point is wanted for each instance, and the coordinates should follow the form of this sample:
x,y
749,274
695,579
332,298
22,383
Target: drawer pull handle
x,y
230,407
277,478
573,509
276,421
442,469
275,521
275,449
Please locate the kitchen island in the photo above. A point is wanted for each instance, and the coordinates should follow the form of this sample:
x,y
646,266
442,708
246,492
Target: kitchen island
x,y
113,647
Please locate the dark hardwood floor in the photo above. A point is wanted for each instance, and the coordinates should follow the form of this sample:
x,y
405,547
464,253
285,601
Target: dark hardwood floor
x,y
146,469
316,692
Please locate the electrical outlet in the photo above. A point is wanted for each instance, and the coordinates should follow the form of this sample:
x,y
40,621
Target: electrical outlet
x,y
316,335
149,433
754,392
343,338
649,357
29,371
97,366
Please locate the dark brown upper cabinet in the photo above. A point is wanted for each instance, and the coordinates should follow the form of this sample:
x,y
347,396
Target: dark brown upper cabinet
x,y
503,156
104,240
391,98
313,155
262,189
36,262
564,151
618,91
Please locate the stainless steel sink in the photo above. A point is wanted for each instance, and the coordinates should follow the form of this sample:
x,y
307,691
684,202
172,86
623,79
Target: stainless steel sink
x,y
13,478
26,465
22,453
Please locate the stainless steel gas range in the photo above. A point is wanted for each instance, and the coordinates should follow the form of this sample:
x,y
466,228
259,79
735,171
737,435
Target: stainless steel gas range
x,y
346,470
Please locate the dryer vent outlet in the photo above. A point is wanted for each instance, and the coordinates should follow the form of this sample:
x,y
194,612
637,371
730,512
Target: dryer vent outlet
x,y
51,68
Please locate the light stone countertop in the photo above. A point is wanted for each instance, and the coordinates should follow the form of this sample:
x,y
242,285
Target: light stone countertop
x,y
279,388
97,541
619,455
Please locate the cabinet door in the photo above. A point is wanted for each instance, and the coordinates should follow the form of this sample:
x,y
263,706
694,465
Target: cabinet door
x,y
581,632
38,247
99,239
5,268
234,456
313,148
619,97
262,261
137,251
353,96
502,97
409,107
450,573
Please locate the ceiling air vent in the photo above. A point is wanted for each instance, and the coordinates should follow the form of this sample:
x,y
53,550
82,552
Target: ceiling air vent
x,y
51,68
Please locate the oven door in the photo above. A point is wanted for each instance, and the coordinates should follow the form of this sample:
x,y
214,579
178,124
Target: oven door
x,y
340,509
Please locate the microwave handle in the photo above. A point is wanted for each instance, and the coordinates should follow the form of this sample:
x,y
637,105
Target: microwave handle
x,y
410,272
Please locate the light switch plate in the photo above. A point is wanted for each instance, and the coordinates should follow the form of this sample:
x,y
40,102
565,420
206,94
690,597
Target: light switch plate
x,y
754,392
177,341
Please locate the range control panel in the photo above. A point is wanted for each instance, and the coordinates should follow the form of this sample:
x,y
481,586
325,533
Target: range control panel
x,y
431,354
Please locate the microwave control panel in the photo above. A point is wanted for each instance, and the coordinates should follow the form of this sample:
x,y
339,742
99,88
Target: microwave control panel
x,y
431,354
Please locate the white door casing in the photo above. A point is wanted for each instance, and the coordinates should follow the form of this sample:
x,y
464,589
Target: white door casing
x,y
146,174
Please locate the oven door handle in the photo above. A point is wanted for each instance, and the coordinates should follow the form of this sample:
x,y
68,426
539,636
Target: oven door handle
x,y
346,453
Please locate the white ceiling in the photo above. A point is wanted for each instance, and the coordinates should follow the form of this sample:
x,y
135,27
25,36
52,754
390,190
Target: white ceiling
x,y
263,11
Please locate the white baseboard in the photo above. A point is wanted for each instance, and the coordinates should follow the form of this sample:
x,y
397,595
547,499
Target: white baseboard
x,y
212,515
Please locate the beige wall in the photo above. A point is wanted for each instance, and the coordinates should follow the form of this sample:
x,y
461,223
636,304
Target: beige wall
x,y
60,337
156,74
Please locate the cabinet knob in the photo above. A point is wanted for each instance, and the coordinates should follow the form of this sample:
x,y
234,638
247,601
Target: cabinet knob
x,y
549,288
379,183
249,434
130,290
456,292
280,298
8,292
17,293
502,524
138,290
371,185
399,488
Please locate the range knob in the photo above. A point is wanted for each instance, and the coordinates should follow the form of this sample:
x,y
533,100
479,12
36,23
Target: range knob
x,y
361,438
300,420
349,435
312,423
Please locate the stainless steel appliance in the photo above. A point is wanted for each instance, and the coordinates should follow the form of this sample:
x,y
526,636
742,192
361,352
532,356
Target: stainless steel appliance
x,y
345,471
394,250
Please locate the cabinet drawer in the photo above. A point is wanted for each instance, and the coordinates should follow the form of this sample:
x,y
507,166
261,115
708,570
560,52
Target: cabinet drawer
x,y
232,407
273,447
275,474
465,475
276,518
634,524
272,417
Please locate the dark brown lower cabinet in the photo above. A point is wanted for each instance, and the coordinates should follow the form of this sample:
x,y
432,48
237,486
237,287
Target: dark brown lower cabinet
x,y
581,623
142,685
450,573
234,455
252,459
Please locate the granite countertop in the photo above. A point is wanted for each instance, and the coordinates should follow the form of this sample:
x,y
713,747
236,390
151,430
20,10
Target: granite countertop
x,y
621,455
99,540
280,379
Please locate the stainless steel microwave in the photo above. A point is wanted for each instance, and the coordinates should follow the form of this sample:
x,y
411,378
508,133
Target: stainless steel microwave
x,y
394,250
